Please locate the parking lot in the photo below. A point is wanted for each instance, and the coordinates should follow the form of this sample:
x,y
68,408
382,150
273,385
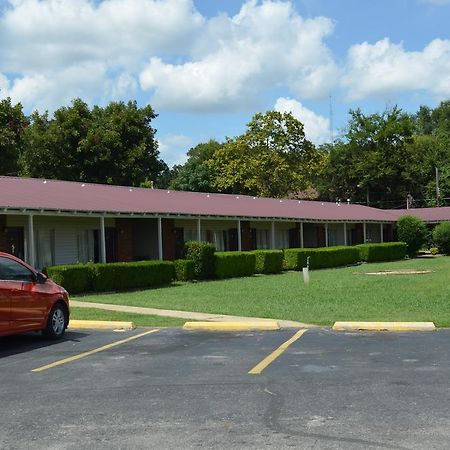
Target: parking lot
x,y
171,388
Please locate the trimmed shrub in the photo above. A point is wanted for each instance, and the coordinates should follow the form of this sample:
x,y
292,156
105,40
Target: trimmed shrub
x,y
184,269
268,261
75,278
413,232
387,251
234,264
131,275
441,237
202,254
295,258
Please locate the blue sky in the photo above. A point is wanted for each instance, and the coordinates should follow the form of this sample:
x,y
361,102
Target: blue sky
x,y
206,66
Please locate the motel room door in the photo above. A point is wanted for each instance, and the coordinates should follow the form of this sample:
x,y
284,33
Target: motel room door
x,y
15,241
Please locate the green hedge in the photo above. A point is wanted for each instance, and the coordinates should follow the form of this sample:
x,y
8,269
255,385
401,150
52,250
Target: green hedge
x,y
388,251
75,278
80,278
131,275
184,269
322,257
268,261
202,254
234,264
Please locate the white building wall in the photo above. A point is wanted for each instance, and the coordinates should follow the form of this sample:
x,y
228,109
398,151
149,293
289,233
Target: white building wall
x,y
64,232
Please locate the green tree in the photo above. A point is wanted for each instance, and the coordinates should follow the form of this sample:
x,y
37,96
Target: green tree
x,y
413,232
371,164
195,174
272,158
115,144
441,237
12,128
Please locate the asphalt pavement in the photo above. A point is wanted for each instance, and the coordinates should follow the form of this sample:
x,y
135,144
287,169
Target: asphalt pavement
x,y
173,389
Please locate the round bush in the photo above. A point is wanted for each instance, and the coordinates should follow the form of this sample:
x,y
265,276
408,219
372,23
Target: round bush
x,y
441,237
413,232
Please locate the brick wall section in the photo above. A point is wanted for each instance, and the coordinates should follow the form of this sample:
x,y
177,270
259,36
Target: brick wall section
x,y
124,240
2,233
168,239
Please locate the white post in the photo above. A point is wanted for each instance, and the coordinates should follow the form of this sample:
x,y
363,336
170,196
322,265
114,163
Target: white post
x,y
381,233
199,230
239,240
102,240
345,234
302,242
272,235
326,235
160,239
31,255
364,233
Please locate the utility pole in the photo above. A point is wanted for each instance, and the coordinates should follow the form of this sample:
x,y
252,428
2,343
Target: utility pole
x,y
438,194
409,201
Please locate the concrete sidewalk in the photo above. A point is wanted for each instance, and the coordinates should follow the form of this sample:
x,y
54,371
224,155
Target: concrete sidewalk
x,y
188,315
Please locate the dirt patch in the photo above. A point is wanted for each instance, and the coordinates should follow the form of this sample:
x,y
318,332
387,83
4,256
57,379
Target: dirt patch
x,y
396,272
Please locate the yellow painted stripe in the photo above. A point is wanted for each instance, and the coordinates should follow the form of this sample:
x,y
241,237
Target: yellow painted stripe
x,y
92,352
384,326
275,354
266,325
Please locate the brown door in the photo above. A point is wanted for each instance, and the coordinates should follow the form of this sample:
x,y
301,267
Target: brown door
x,y
14,241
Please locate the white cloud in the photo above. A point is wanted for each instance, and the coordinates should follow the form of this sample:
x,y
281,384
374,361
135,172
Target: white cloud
x,y
53,50
265,45
317,127
385,68
173,148
52,34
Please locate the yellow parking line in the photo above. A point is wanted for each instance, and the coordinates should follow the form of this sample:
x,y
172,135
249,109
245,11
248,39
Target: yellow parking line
x,y
275,354
91,352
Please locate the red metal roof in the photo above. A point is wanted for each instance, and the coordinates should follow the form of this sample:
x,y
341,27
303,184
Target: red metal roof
x,y
426,214
31,193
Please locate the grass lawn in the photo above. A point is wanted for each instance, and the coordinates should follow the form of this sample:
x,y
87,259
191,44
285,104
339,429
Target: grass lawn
x,y
140,320
333,294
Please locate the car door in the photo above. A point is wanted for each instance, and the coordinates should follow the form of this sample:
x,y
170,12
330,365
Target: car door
x,y
26,311
5,302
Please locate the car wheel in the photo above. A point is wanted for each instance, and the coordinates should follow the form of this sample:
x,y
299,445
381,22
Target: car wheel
x,y
57,322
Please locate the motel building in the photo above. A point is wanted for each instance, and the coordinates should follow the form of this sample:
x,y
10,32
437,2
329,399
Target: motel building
x,y
48,222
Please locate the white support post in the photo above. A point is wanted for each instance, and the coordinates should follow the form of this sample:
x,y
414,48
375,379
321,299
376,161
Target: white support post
x,y
381,233
199,230
302,241
31,254
364,232
345,234
239,240
272,235
326,235
102,240
160,239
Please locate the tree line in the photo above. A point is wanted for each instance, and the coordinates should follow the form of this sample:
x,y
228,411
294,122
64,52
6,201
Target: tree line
x,y
380,159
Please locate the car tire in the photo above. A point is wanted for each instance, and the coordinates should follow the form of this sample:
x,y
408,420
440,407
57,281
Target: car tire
x,y
57,322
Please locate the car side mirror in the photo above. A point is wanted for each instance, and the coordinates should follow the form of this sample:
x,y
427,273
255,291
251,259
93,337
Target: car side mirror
x,y
40,278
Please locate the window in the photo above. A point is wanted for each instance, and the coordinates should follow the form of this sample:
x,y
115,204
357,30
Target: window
x,y
85,243
262,239
190,234
282,239
45,248
13,271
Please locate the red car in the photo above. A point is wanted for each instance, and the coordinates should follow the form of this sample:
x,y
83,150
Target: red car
x,y
29,301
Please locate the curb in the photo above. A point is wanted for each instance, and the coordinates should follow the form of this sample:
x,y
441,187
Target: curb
x,y
100,325
269,325
384,326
